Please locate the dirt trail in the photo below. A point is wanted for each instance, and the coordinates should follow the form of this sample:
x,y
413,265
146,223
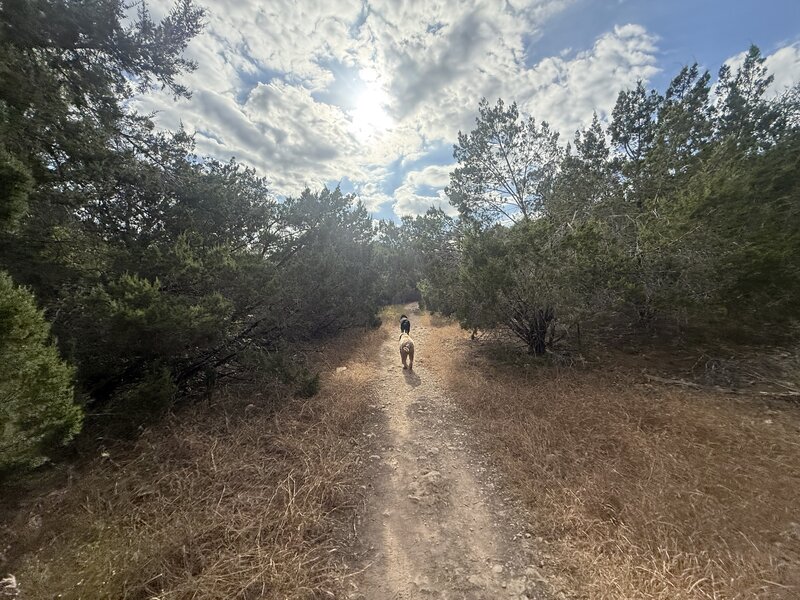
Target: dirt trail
x,y
436,524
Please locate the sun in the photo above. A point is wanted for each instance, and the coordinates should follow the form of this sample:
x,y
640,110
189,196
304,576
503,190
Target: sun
x,y
369,116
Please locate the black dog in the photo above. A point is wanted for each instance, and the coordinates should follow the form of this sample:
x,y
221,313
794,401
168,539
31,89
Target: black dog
x,y
405,325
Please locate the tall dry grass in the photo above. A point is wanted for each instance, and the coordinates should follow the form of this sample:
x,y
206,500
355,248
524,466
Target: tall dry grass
x,y
246,495
642,492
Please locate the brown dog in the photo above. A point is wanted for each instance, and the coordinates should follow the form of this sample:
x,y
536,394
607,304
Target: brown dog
x,y
407,351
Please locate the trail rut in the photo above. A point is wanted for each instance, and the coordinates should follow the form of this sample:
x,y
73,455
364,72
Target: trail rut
x,y
435,526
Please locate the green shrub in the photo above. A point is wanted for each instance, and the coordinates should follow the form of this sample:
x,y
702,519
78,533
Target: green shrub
x,y
37,403
136,404
283,368
306,383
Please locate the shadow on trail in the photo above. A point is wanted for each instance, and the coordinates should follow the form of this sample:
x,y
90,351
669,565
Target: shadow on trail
x,y
412,378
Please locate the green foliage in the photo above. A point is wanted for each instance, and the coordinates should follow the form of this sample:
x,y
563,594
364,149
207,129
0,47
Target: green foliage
x,y
283,368
396,263
633,128
38,411
161,269
327,278
307,384
506,166
15,185
688,221
743,114
134,322
536,279
746,212
419,260
134,404
436,238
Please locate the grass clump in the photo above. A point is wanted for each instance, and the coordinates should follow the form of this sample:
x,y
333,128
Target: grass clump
x,y
641,491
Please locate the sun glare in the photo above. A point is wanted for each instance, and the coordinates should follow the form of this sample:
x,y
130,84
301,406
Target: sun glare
x,y
369,115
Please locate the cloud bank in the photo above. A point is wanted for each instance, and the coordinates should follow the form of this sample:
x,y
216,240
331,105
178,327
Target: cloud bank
x,y
316,91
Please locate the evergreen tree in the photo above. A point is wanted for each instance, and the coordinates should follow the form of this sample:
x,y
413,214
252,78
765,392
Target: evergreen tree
x,y
743,115
38,411
506,166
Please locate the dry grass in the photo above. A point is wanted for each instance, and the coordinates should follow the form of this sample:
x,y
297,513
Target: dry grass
x,y
242,496
642,492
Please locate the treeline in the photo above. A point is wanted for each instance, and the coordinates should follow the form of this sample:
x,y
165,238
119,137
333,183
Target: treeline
x,y
680,218
132,269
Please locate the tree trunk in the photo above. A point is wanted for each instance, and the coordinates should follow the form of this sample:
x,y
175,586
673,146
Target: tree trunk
x,y
537,347
537,337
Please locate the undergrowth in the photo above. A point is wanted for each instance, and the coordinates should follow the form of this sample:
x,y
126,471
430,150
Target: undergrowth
x,y
641,491
248,494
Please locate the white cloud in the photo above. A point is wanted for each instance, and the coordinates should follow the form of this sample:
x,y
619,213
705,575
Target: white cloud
x,y
409,200
566,92
263,69
371,195
784,65
439,58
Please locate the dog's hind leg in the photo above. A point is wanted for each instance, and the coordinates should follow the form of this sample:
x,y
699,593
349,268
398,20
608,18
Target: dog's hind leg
x,y
403,358
411,359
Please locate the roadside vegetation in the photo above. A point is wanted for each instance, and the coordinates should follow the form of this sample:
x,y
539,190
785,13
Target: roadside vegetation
x,y
157,272
168,428
248,493
675,219
638,490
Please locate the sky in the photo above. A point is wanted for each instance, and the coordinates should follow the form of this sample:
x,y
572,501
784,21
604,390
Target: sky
x,y
370,95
